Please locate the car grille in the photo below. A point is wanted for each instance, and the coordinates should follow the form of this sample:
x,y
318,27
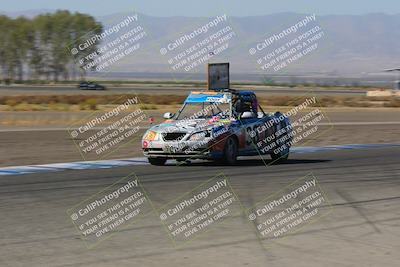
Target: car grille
x,y
173,136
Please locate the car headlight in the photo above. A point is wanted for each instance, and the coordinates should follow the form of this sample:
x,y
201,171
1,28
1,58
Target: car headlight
x,y
200,135
151,136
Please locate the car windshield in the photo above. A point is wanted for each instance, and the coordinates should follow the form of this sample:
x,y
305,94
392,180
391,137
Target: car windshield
x,y
204,110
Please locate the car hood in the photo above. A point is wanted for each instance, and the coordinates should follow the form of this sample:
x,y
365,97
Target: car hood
x,y
189,126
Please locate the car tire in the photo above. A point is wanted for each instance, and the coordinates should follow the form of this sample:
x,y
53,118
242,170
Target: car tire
x,y
157,161
230,151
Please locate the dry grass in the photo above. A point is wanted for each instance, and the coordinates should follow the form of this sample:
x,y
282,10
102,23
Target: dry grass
x,y
393,103
333,101
154,102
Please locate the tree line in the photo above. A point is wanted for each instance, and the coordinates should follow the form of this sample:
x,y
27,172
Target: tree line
x,y
39,48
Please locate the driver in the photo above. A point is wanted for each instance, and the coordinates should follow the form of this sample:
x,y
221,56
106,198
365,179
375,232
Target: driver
x,y
241,107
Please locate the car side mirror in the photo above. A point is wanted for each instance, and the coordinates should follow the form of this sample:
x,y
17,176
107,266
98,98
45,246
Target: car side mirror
x,y
247,115
168,115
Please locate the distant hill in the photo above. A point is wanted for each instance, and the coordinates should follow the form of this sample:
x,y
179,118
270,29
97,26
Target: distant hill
x,y
351,44
27,13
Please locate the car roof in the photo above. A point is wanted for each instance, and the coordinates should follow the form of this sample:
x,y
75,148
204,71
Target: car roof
x,y
244,93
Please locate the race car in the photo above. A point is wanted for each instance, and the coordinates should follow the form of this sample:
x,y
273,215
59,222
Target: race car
x,y
218,126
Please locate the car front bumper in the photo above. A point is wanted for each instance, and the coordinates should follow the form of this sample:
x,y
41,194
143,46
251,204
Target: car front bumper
x,y
178,150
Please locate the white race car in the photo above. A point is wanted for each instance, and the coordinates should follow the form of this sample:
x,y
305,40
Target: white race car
x,y
218,126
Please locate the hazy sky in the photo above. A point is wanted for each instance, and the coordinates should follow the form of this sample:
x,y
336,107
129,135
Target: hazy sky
x,y
208,7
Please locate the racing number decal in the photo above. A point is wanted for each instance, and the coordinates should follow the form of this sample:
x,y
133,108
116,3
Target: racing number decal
x,y
253,136
257,137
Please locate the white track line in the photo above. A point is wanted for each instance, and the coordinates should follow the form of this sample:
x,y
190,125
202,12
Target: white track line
x,y
107,164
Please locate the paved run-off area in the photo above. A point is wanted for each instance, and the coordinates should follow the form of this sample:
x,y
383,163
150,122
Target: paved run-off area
x,y
362,226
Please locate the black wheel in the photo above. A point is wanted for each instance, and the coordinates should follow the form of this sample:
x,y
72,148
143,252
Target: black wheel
x,y
230,151
157,161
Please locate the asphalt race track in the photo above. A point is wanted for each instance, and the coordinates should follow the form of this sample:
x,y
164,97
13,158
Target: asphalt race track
x,y
362,225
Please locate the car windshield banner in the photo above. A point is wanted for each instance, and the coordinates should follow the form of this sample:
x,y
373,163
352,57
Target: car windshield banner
x,y
208,98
